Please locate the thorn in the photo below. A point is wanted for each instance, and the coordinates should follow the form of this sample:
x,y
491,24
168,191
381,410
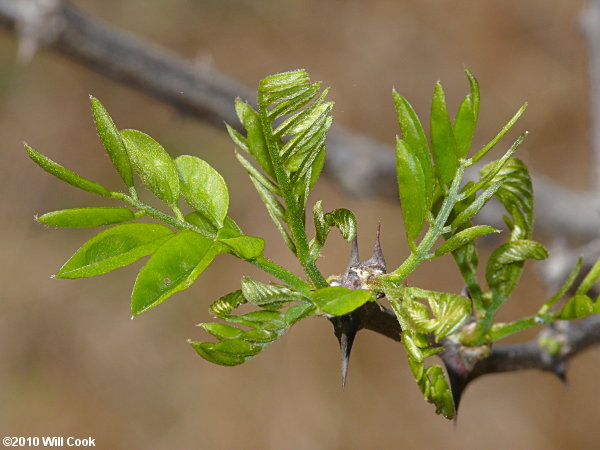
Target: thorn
x,y
345,329
377,260
560,370
354,260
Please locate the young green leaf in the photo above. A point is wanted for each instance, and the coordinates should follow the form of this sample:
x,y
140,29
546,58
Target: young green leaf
x,y
172,268
226,304
222,331
475,97
443,143
506,262
271,296
414,137
153,164
337,300
578,307
203,188
257,146
590,279
112,141
246,247
86,217
464,126
208,351
116,247
298,312
65,174
464,237
412,189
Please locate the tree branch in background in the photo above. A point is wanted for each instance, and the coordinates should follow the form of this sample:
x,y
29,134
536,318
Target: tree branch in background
x,y
361,165
358,163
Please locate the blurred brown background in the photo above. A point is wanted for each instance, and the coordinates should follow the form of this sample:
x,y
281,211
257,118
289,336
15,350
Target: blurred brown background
x,y
72,363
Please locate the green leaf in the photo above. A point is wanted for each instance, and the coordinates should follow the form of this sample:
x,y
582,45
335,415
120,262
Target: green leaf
x,y
337,300
222,331
506,262
65,174
153,164
412,189
464,237
590,279
442,138
86,217
116,247
414,137
475,97
268,295
246,247
299,312
173,267
464,127
202,223
259,336
203,188
207,351
516,194
450,311
112,141
577,307
255,141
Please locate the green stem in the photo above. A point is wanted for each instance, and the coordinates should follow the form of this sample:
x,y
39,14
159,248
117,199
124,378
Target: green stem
x,y
502,330
282,274
432,235
481,153
294,221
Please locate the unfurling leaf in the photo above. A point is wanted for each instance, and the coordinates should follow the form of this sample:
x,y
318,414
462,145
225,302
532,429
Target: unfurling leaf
x,y
86,217
203,188
65,174
270,296
337,300
172,268
506,262
153,164
116,247
112,141
464,237
443,143
577,307
412,189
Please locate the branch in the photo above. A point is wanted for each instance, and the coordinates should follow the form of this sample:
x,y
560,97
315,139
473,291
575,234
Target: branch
x,y
361,165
